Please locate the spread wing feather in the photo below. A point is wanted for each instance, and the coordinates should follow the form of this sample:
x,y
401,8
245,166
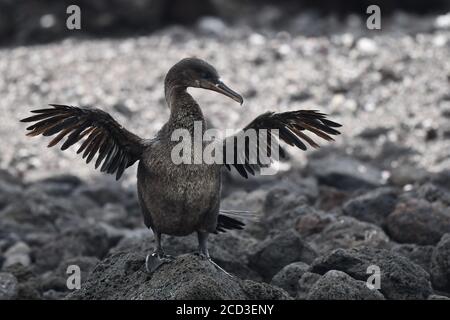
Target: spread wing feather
x,y
291,126
115,147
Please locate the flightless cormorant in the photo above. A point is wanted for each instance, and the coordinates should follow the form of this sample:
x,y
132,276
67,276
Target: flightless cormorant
x,y
176,199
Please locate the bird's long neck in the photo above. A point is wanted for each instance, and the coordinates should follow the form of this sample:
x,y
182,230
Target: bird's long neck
x,y
184,110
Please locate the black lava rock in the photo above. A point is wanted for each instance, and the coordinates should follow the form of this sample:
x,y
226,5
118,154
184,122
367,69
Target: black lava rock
x,y
122,276
337,285
373,206
288,277
440,264
419,222
278,251
400,277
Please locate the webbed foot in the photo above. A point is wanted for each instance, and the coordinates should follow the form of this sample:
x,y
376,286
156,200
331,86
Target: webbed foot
x,y
154,261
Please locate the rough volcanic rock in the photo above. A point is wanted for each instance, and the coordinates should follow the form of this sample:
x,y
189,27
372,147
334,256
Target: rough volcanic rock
x,y
305,284
419,222
400,278
313,222
337,285
440,264
122,276
347,232
285,219
8,286
39,210
432,193
288,277
54,284
287,200
276,252
29,286
417,254
229,250
104,193
345,173
86,240
10,188
373,206
18,253
59,185
331,198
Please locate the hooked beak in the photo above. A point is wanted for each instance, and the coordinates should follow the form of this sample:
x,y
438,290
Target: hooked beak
x,y
220,87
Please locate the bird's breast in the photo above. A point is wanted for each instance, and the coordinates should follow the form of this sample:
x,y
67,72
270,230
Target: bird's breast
x,y
177,196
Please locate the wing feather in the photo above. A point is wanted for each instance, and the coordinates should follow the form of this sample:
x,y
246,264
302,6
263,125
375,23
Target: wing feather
x,y
115,147
292,127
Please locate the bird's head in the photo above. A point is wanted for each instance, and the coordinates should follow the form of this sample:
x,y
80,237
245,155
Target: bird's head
x,y
196,73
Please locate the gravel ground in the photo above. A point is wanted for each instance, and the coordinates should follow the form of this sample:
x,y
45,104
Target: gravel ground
x,y
379,194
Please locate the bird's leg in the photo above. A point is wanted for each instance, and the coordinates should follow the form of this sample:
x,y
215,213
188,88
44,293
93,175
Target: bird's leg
x,y
158,250
203,244
203,250
158,257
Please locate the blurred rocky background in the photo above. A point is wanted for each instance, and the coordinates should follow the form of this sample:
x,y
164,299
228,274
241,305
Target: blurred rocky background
x,y
379,195
36,21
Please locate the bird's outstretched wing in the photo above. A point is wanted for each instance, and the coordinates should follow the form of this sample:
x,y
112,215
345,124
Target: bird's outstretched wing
x,y
292,127
116,147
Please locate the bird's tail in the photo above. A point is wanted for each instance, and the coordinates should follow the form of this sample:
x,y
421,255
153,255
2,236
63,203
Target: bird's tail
x,y
226,220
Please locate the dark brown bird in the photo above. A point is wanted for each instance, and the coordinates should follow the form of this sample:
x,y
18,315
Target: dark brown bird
x,y
177,199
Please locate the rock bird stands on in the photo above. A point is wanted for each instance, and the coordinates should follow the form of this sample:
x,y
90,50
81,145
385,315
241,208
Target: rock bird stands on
x,y
176,199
